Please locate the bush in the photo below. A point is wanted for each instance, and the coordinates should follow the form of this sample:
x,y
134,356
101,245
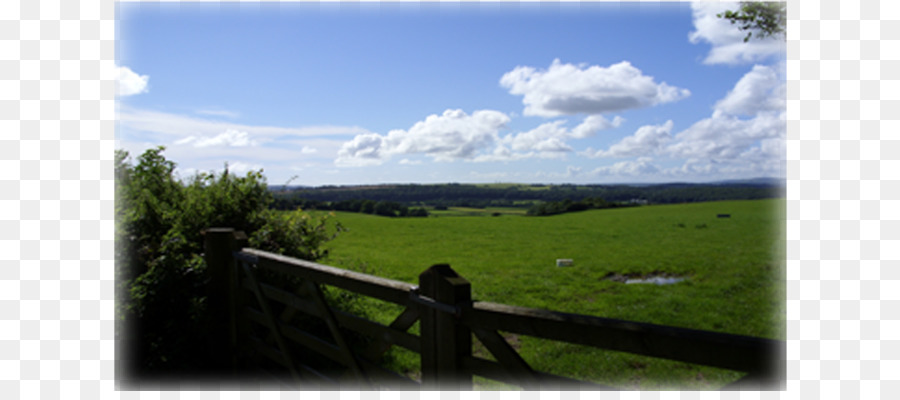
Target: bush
x,y
160,273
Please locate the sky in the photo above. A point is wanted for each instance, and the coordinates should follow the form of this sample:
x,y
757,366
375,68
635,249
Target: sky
x,y
370,93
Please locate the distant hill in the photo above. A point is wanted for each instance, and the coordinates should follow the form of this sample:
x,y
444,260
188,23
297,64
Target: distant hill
x,y
525,195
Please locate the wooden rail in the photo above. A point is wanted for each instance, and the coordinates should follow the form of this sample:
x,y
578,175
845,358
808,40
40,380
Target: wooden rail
x,y
277,317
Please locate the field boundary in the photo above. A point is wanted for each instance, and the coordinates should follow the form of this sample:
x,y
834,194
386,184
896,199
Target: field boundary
x,y
279,321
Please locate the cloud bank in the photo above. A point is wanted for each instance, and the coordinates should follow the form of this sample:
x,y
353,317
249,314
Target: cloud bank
x,y
745,134
455,135
566,89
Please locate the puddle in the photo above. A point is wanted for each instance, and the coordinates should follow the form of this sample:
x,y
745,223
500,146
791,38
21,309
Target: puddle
x,y
657,278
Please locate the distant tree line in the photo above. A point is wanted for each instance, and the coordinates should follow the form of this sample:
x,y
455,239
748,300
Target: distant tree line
x,y
347,198
560,207
364,206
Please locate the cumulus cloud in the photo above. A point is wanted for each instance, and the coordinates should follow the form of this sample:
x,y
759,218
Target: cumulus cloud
x,y
759,90
727,41
594,123
548,140
546,137
648,139
129,83
449,136
572,171
639,167
365,149
566,89
231,137
725,137
743,137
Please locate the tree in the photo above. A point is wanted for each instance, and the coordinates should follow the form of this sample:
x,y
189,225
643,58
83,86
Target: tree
x,y
160,273
764,18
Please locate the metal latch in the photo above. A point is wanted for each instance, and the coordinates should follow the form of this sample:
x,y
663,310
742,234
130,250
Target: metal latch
x,y
432,303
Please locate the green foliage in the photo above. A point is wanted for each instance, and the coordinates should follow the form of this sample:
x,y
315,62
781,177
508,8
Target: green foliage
x,y
764,18
565,206
296,234
160,273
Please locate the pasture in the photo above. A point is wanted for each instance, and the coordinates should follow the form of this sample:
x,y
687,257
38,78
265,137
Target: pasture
x,y
732,267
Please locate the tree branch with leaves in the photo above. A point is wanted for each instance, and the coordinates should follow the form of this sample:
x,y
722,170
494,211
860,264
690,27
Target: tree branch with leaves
x,y
763,18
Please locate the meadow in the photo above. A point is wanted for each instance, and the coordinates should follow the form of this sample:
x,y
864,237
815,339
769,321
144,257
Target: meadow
x,y
732,267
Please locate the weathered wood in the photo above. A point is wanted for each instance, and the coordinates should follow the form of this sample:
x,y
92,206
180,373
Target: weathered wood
x,y
298,336
735,352
289,299
382,334
372,286
444,340
400,325
346,351
218,244
271,321
507,356
390,335
449,318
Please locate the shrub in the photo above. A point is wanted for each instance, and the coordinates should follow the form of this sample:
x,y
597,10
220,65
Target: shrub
x,y
161,284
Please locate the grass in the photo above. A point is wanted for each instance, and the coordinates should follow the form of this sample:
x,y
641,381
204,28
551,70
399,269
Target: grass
x,y
734,270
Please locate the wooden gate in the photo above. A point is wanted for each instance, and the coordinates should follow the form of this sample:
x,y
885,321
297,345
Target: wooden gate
x,y
279,319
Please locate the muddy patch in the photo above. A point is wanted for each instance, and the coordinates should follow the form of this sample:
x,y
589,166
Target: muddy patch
x,y
656,278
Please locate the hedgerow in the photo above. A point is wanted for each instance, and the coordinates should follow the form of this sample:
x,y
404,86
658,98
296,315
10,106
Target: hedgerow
x,y
160,271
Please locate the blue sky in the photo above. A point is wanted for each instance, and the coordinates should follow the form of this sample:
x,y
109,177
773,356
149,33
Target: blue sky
x,y
466,92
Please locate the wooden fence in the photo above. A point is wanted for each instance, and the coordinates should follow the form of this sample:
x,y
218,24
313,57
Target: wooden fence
x,y
277,317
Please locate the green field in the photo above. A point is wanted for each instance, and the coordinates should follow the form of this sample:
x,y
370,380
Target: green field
x,y
733,269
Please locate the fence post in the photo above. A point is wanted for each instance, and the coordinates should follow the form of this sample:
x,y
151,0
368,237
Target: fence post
x,y
218,245
444,341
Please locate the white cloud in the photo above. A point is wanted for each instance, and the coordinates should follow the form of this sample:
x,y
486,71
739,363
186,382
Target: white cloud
x,y
129,83
308,150
648,139
724,137
548,139
231,137
728,46
759,90
641,166
240,167
363,150
744,137
725,145
565,89
449,136
219,113
171,127
594,123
